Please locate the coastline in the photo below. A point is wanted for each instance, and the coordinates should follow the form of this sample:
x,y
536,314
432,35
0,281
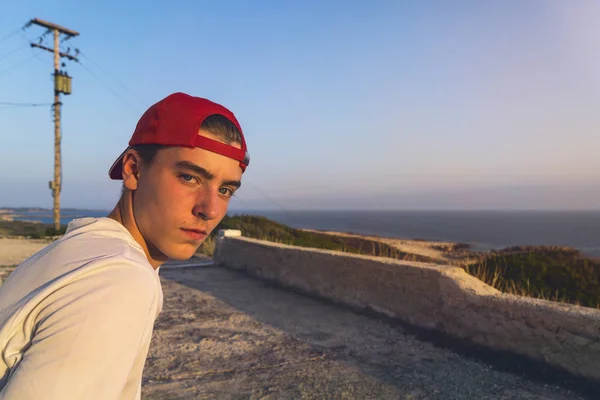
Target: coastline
x,y
442,250
40,217
438,250
13,217
454,253
7,215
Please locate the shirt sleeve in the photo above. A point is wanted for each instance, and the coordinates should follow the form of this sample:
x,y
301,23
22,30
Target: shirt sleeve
x,y
87,337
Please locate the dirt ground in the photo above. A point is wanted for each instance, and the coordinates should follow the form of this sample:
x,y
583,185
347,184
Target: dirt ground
x,y
224,335
13,251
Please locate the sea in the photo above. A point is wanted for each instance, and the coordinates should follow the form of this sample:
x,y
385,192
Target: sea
x,y
482,230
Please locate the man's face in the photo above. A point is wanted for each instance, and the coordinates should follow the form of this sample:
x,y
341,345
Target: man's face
x,y
182,196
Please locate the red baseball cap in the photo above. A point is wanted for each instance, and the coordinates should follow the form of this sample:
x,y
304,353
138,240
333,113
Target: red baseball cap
x,y
175,121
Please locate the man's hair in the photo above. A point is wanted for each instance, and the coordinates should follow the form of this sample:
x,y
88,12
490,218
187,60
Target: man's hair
x,y
220,126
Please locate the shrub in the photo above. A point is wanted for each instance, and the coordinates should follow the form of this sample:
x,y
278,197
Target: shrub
x,y
262,228
551,273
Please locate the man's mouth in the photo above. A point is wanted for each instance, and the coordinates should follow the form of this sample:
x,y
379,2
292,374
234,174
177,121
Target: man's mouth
x,y
195,234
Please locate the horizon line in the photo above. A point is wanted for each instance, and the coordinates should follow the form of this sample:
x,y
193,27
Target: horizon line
x,y
338,210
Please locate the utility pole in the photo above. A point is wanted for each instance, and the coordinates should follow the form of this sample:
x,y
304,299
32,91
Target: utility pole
x,y
62,84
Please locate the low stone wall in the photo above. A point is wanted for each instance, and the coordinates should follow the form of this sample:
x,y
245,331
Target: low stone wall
x,y
437,297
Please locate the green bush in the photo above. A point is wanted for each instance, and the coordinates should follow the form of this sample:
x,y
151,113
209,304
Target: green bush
x,y
262,228
552,273
29,229
53,232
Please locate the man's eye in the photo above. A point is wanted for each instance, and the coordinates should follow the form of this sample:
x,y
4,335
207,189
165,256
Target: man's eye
x,y
186,178
226,191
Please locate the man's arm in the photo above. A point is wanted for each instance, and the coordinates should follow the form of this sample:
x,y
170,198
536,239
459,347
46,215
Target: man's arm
x,y
88,335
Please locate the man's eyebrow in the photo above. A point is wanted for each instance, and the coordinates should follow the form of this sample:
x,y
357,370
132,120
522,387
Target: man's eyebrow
x,y
235,184
206,174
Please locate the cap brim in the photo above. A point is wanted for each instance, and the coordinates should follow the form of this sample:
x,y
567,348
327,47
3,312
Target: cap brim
x,y
116,171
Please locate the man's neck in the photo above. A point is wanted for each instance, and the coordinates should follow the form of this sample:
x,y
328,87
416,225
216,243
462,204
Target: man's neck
x,y
123,213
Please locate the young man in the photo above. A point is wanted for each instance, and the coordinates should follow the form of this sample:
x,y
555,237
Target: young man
x,y
76,318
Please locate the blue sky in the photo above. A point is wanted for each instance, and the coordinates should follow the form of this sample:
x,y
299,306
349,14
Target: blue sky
x,y
345,105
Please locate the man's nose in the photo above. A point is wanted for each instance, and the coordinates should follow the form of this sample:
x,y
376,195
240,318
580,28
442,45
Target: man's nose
x,y
207,205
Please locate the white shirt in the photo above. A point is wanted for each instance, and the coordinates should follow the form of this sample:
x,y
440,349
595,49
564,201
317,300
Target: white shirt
x,y
76,318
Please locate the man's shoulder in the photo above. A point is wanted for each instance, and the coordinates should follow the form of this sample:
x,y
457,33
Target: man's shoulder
x,y
99,238
85,251
98,229
75,266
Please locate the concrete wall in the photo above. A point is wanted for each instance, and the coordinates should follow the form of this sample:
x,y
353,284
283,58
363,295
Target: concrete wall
x,y
430,296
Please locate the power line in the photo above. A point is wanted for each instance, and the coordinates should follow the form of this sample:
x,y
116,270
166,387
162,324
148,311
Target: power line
x,y
113,79
12,52
4,103
109,88
10,105
36,53
272,200
10,35
14,107
41,38
17,65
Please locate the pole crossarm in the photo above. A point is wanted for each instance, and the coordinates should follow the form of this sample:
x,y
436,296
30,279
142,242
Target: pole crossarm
x,y
70,57
52,26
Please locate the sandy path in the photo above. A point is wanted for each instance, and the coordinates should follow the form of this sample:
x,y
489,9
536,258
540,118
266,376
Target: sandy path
x,y
13,251
224,335
436,250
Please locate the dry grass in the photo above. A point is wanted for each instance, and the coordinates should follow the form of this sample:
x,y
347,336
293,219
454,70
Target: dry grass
x,y
264,229
207,248
549,273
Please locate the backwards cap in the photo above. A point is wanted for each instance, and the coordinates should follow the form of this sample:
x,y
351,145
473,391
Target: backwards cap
x,y
175,121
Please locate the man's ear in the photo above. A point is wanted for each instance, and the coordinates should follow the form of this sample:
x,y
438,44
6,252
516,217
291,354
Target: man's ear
x,y
131,170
